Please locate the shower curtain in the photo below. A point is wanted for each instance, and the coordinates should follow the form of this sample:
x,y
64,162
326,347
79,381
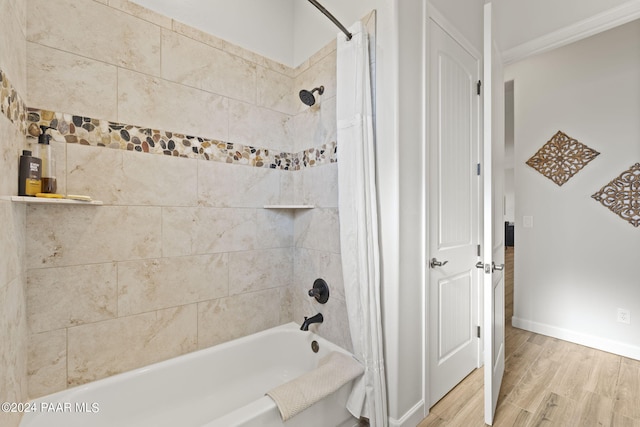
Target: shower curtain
x,y
359,222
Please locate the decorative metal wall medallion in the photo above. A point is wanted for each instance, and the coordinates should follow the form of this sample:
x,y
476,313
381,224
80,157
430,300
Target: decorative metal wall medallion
x,y
622,195
561,158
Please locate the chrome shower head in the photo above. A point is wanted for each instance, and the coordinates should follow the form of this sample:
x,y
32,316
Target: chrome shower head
x,y
307,97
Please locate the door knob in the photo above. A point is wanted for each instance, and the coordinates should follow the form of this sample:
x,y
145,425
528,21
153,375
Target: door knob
x,y
435,263
485,267
497,267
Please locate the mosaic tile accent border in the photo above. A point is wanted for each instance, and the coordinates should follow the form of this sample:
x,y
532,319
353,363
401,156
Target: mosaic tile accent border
x,y
103,133
561,158
622,195
11,104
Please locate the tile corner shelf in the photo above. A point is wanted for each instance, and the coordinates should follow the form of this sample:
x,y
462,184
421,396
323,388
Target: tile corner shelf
x,y
42,200
289,206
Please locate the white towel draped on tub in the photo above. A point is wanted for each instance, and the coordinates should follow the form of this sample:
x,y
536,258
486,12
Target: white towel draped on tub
x,y
334,370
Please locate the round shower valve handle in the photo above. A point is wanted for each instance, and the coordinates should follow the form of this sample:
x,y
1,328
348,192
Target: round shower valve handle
x,y
320,291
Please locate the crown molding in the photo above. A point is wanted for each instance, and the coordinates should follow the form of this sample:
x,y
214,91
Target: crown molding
x,y
611,18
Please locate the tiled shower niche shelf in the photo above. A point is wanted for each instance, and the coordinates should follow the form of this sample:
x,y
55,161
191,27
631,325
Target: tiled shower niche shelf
x,y
43,200
289,206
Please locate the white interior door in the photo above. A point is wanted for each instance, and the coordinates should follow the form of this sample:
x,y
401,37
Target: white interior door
x,y
493,225
454,189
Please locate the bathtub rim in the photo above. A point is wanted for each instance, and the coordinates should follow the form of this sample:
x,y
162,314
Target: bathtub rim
x,y
186,357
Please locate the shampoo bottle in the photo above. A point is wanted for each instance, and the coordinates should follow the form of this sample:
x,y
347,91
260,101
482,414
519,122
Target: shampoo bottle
x,y
49,184
29,176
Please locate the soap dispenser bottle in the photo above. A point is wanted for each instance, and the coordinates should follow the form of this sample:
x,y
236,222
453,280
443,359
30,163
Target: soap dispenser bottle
x,y
49,184
30,175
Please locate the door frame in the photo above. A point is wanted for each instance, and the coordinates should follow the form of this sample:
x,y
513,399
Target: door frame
x,y
434,17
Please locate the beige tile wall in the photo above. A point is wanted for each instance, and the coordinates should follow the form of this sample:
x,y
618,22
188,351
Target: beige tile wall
x,y
183,255
96,31
196,64
70,80
317,252
13,317
125,343
163,104
12,43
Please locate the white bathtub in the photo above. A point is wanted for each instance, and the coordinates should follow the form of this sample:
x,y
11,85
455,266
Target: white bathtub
x,y
221,386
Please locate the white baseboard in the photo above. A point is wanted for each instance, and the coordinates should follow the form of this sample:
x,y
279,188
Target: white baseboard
x,y
411,418
604,344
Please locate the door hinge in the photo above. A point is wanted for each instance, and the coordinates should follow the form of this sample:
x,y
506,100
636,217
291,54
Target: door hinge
x,y
478,169
479,250
478,86
478,331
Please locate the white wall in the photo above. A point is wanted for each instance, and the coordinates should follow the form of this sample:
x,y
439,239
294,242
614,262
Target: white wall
x,y
404,312
579,262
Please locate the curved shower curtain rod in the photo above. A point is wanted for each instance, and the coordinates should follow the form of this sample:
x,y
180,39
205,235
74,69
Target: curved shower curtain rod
x,y
332,18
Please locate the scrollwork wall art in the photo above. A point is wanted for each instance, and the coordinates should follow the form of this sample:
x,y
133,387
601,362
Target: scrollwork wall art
x,y
622,195
561,158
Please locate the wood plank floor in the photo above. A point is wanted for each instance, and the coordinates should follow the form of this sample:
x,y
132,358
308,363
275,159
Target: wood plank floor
x,y
547,382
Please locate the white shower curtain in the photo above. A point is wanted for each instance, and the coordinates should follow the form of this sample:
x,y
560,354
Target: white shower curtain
x,y
359,222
